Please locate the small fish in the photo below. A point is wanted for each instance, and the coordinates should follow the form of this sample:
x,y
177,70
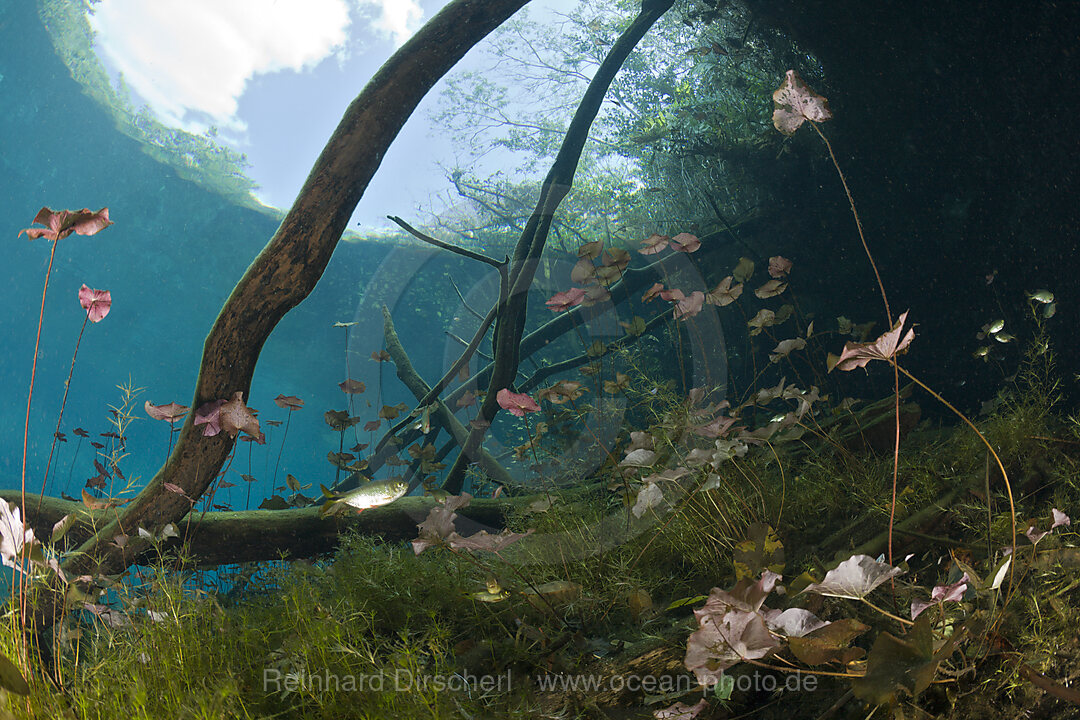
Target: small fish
x,y
1004,337
1049,310
995,327
1042,296
982,352
373,494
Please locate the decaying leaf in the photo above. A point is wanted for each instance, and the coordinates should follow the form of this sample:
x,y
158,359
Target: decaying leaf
x,y
794,102
760,551
829,644
886,347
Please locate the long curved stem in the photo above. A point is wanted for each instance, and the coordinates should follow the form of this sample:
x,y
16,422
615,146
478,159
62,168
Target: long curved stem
x,y
888,317
63,404
989,447
26,426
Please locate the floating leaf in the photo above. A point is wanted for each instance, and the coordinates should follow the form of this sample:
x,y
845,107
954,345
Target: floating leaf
x,y
387,412
274,502
763,319
653,244
721,642
690,306
724,294
771,289
652,292
685,242
583,272
785,348
591,250
562,301
236,417
64,222
635,327
289,401
516,403
743,270
779,266
953,592
352,387
169,413
681,711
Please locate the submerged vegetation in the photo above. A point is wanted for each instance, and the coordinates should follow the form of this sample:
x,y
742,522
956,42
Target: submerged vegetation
x,y
671,528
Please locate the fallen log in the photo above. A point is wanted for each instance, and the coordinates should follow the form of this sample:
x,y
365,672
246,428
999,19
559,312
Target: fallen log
x,y
220,538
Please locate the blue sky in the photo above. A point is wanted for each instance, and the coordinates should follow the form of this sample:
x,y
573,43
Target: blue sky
x,y
274,77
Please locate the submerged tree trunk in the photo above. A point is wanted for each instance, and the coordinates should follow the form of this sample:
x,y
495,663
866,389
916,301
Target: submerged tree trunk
x,y
284,273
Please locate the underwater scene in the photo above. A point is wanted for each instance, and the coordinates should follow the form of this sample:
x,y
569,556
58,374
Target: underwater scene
x,y
557,359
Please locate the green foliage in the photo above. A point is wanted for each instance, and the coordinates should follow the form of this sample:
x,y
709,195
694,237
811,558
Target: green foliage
x,y
199,158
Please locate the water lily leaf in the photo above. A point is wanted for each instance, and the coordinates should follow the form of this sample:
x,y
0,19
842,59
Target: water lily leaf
x,y
235,417
724,294
685,242
779,266
169,413
721,642
905,664
855,578
772,288
886,347
653,244
562,301
793,622
681,711
648,497
829,644
352,387
591,250
64,222
743,270
634,327
761,550
96,303
794,103
785,348
583,272
639,458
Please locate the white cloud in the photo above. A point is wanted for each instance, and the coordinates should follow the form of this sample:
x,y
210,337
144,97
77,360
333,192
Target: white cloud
x,y
186,57
399,18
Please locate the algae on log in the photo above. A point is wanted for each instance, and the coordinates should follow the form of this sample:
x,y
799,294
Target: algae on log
x,y
285,272
218,538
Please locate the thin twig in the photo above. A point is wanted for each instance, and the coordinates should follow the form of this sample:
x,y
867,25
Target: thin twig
x,y
440,244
